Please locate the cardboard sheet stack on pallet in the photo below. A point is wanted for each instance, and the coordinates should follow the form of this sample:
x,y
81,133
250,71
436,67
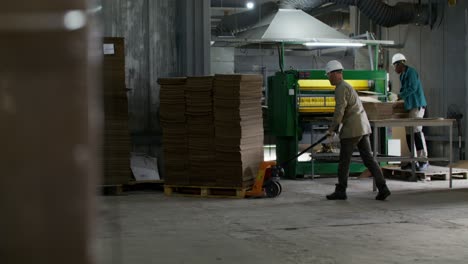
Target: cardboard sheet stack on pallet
x,y
173,123
238,128
200,128
116,145
214,135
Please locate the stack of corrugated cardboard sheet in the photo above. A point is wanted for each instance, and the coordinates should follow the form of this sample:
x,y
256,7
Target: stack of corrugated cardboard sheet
x,y
378,110
238,128
399,110
200,128
173,124
116,145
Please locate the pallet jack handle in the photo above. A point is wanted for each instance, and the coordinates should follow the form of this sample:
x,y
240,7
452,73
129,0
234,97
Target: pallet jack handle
x,y
305,150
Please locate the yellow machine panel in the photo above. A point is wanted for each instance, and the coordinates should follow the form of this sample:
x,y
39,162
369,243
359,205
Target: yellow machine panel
x,y
323,104
324,85
320,103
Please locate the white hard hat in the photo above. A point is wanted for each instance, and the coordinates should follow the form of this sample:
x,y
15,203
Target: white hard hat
x,y
398,57
333,65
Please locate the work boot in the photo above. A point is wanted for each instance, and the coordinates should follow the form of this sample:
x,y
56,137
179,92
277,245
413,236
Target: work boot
x,y
384,192
339,194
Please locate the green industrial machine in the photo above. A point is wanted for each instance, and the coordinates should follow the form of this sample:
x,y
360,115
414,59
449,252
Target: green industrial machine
x,y
299,99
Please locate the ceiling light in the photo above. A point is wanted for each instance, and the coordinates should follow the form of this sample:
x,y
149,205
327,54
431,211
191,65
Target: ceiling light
x,y
334,44
250,5
74,20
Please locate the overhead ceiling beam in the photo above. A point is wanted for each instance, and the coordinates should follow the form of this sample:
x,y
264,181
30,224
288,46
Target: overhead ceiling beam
x,y
227,3
230,8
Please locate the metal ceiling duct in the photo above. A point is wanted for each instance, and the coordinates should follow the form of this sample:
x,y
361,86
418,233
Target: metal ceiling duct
x,y
378,11
388,16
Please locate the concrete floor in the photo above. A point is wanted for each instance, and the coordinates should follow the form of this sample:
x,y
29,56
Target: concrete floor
x,y
422,222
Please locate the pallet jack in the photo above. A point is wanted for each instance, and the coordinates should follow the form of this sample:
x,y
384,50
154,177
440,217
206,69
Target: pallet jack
x,y
268,176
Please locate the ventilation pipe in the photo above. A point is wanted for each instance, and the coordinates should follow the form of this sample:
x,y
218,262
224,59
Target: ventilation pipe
x,y
388,16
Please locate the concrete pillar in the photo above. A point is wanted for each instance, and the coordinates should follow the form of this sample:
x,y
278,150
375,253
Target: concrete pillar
x,y
194,35
465,113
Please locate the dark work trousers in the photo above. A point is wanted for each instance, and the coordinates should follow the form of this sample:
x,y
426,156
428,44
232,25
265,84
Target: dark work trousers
x,y
346,152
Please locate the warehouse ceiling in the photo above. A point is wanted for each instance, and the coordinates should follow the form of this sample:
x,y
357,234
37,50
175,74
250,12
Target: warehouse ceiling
x,y
222,8
230,17
337,16
258,19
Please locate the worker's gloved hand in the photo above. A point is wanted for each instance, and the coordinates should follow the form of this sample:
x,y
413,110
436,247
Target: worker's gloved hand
x,y
331,134
391,97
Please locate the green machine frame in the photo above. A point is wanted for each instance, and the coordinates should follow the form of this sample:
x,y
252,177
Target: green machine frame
x,y
285,120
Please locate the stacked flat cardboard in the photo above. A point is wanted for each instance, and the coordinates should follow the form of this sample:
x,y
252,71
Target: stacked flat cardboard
x,y
378,111
173,123
200,128
116,145
399,110
238,128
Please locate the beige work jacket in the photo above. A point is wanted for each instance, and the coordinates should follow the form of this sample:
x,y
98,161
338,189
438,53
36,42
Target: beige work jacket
x,y
349,112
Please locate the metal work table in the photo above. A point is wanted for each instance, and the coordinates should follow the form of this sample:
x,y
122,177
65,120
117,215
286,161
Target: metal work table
x,y
413,122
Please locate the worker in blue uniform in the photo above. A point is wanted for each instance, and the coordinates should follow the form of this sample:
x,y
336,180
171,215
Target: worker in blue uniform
x,y
412,93
354,132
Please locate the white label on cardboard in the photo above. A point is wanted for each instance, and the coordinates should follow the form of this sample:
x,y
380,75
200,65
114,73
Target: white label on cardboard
x,y
144,167
291,91
108,49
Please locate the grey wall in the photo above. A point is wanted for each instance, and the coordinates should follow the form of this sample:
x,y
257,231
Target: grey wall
x,y
439,56
222,60
150,42
163,38
194,36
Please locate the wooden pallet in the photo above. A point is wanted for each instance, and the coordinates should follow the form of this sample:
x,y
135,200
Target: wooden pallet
x,y
143,185
432,173
120,189
111,189
205,191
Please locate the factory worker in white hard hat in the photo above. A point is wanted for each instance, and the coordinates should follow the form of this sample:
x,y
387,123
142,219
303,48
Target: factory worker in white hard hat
x,y
412,93
355,131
